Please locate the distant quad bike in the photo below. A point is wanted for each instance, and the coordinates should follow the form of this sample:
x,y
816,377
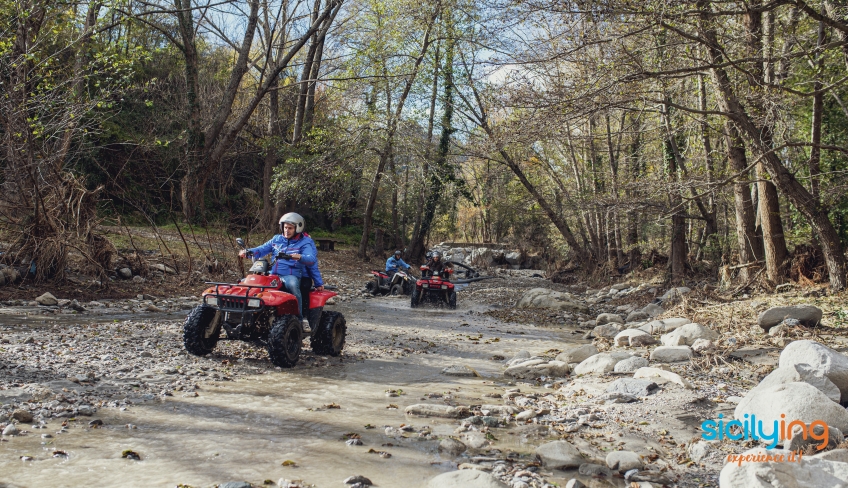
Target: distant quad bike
x,y
257,309
434,288
399,284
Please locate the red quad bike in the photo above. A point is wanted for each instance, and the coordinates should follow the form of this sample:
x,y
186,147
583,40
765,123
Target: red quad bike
x,y
435,288
399,284
257,309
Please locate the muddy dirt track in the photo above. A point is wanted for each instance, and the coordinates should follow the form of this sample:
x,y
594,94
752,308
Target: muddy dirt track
x,y
247,427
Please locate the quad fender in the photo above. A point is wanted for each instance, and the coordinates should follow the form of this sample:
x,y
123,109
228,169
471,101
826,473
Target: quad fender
x,y
319,298
284,303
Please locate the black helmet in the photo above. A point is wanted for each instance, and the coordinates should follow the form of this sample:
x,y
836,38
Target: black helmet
x,y
437,254
397,252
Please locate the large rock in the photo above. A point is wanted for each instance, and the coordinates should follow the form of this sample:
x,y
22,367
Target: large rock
x,y
661,373
466,478
607,318
607,330
808,315
559,455
686,335
577,354
545,298
600,363
798,401
822,359
47,299
432,410
809,472
634,387
513,257
637,316
799,372
675,292
452,446
633,337
664,325
630,365
623,461
653,310
526,369
801,438
671,354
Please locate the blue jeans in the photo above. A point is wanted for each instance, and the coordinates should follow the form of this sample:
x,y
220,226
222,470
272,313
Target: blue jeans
x,y
292,284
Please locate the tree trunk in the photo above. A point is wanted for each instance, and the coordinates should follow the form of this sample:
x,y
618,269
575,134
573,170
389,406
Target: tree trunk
x,y
749,244
768,206
816,119
268,217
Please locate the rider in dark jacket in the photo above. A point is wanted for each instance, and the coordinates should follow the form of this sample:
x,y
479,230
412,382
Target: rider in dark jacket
x,y
436,264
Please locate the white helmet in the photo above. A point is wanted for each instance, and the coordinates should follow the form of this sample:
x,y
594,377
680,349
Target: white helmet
x,y
294,219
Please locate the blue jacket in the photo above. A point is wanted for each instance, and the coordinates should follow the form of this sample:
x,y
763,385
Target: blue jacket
x,y
393,264
312,271
299,244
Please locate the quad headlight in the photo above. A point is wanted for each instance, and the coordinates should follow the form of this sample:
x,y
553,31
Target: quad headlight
x,y
444,287
254,303
212,301
425,285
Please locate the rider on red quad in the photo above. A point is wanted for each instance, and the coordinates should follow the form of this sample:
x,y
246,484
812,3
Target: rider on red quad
x,y
435,263
300,247
394,263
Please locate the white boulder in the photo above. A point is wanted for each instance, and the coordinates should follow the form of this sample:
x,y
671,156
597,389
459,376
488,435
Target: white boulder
x,y
664,325
577,354
808,472
466,478
808,315
686,335
626,338
671,354
630,364
559,455
798,401
606,318
600,363
822,359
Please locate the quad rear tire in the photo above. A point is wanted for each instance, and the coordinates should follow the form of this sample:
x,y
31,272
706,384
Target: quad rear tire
x,y
397,290
416,298
285,341
201,330
452,300
329,337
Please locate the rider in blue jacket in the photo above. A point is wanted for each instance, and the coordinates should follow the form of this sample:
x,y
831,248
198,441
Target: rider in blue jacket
x,y
395,263
299,246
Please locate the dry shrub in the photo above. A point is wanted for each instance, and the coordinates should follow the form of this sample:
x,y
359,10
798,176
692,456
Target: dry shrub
x,y
49,219
807,265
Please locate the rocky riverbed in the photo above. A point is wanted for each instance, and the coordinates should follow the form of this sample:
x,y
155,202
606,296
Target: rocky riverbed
x,y
526,384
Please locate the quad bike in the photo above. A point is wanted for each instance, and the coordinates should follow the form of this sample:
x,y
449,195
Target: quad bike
x,y
258,309
399,284
434,288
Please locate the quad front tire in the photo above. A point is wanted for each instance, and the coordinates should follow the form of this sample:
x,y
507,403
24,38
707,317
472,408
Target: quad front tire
x,y
329,338
397,290
201,330
452,300
416,298
284,341
371,287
